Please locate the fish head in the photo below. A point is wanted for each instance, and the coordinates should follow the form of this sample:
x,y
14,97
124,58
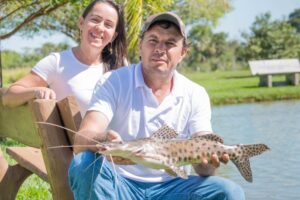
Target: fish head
x,y
123,149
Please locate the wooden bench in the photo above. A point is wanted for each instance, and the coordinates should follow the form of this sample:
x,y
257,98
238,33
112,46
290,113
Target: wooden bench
x,y
36,157
266,68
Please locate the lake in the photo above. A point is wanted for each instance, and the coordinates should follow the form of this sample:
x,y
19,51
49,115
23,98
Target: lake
x,y
276,173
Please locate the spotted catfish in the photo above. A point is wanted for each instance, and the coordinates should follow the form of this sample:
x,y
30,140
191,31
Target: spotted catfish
x,y
163,151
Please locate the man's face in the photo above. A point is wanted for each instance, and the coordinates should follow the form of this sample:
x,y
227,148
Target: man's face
x,y
161,50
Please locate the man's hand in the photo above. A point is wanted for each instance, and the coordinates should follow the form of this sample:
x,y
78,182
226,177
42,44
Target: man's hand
x,y
207,169
112,136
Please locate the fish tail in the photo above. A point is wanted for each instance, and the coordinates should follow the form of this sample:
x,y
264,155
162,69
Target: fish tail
x,y
241,161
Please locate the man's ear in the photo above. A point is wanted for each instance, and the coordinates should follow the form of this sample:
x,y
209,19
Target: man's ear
x,y
184,51
140,46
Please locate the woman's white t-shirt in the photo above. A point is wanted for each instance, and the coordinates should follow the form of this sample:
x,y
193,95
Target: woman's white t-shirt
x,y
66,75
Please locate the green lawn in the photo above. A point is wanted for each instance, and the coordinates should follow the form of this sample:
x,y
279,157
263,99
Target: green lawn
x,y
227,87
232,87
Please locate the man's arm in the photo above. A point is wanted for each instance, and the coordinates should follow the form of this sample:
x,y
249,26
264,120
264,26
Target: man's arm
x,y
92,131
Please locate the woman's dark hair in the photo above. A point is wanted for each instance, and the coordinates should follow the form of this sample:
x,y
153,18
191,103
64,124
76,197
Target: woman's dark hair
x,y
115,57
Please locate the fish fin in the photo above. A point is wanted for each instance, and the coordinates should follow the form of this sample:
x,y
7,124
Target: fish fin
x,y
242,162
179,172
209,136
164,133
243,166
170,172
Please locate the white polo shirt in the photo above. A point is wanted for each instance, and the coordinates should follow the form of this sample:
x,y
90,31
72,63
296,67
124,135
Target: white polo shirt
x,y
133,111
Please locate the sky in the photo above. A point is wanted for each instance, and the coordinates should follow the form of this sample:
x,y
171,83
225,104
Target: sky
x,y
237,21
244,12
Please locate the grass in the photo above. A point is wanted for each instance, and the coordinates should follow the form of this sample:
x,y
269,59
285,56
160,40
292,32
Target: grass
x,y
224,87
231,87
12,75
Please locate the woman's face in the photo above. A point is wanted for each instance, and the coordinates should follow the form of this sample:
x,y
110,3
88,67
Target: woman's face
x,y
99,26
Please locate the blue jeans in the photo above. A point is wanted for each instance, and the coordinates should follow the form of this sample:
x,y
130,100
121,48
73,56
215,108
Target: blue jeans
x,y
92,177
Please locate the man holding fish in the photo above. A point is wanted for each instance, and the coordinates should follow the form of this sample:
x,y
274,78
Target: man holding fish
x,y
135,102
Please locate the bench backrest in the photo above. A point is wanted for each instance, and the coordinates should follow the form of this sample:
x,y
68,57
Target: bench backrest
x,y
19,123
277,66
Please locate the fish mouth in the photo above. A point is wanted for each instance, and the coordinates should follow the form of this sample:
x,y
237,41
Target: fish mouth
x,y
108,146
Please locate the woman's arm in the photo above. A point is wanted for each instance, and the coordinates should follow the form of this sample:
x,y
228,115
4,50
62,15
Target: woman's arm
x,y
30,87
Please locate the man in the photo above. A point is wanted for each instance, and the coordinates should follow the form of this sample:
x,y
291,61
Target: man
x,y
135,102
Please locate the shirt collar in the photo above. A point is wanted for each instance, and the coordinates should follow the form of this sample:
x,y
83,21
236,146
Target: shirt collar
x,y
138,76
177,90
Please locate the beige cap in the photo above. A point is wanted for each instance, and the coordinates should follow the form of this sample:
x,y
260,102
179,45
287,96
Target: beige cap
x,y
165,16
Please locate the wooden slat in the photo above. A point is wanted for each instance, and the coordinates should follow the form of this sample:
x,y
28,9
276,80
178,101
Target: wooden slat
x,y
17,123
29,158
70,114
56,160
275,66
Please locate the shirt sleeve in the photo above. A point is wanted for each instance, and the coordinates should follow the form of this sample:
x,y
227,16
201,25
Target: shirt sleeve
x,y
104,97
201,112
46,68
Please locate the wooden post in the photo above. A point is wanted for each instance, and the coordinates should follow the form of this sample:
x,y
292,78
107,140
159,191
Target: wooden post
x,y
292,79
265,80
11,178
46,111
70,113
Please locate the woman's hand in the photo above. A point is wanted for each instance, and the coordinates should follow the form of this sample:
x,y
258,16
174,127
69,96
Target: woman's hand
x,y
43,93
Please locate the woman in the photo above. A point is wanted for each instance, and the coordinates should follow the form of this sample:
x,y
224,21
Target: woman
x,y
76,71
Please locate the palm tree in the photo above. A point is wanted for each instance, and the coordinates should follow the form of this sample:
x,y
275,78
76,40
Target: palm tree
x,y
135,13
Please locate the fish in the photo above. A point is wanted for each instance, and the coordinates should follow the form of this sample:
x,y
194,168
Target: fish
x,y
162,150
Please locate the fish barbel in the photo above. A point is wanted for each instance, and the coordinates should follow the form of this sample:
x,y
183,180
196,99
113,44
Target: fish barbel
x,y
163,151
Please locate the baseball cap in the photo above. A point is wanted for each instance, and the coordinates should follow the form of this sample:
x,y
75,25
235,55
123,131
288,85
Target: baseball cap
x,y
165,16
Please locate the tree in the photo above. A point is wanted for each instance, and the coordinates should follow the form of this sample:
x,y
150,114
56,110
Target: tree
x,y
200,11
30,17
294,19
11,59
271,39
209,51
17,14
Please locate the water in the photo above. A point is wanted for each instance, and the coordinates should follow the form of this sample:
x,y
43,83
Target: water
x,y
276,173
